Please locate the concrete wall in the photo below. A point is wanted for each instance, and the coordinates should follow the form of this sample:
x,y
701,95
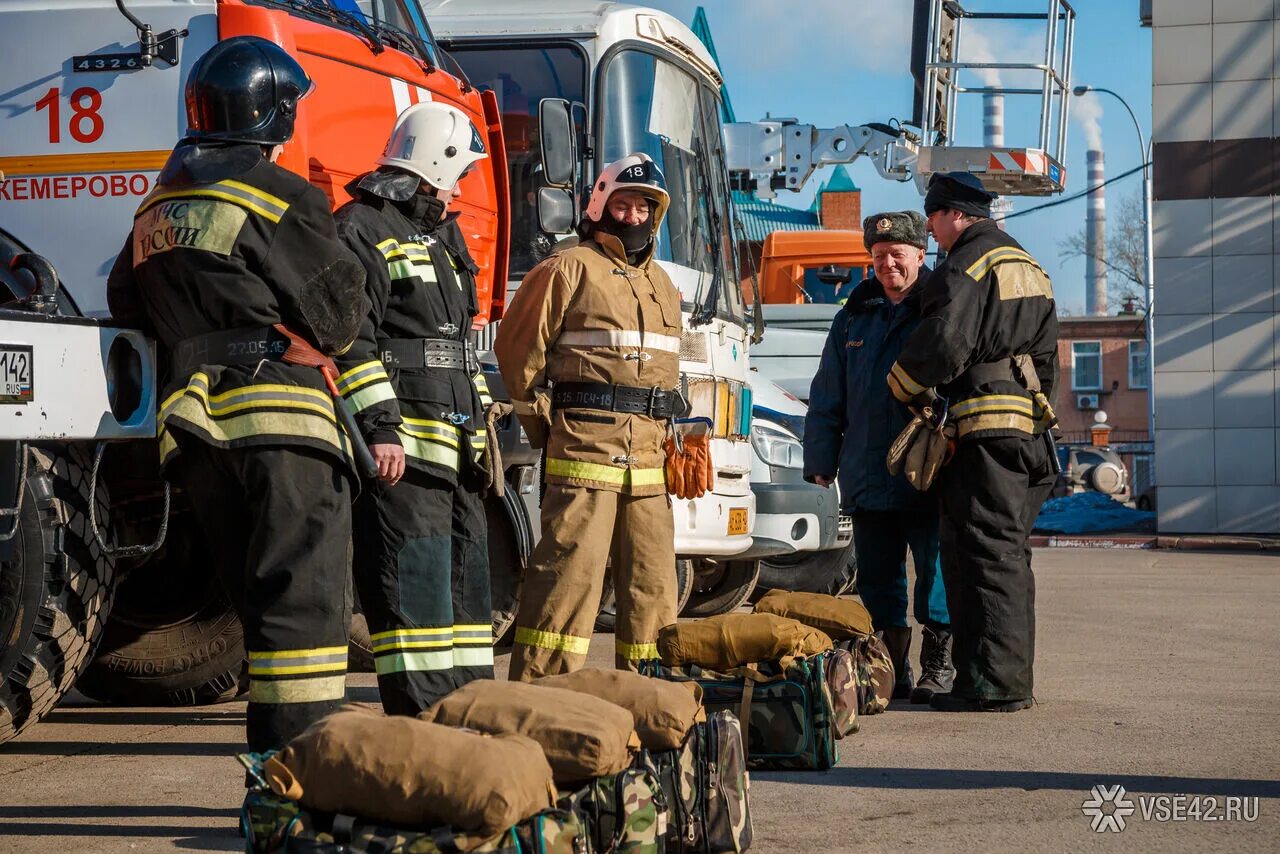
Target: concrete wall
x,y
1217,248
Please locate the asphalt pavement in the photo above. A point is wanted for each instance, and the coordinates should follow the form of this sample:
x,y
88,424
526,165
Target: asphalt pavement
x,y
1157,671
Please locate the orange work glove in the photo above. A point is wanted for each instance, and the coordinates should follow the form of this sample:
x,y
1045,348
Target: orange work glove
x,y
675,469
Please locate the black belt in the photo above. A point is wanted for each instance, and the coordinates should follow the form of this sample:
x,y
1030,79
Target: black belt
x,y
654,402
247,346
983,373
428,353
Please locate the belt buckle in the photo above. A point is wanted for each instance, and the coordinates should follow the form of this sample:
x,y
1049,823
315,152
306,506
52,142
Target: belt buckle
x,y
653,401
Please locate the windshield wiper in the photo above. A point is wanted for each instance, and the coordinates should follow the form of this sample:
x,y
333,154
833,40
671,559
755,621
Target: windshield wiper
x,y
707,310
338,16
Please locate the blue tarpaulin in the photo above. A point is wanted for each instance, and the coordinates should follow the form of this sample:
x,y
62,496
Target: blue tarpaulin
x,y
1090,512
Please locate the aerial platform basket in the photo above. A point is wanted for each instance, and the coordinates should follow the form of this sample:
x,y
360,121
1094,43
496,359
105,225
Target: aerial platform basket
x,y
936,49
1007,171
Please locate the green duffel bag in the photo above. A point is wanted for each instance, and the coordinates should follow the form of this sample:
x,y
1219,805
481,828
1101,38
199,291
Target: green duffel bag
x,y
626,811
788,712
706,782
273,824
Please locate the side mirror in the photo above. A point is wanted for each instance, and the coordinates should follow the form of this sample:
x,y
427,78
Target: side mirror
x,y
558,140
833,275
555,210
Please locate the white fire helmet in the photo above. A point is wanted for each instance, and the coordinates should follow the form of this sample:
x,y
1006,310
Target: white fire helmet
x,y
436,142
636,173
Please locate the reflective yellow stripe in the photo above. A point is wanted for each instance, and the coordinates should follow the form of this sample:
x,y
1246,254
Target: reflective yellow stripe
x,y
411,633
553,640
298,690
908,386
983,265
999,421
360,375
296,653
436,431
991,402
401,662
430,451
636,651
408,644
604,473
251,411
234,192
366,397
293,661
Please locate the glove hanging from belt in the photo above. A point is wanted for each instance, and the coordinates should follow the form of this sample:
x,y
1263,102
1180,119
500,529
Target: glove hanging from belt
x,y
494,474
690,472
924,446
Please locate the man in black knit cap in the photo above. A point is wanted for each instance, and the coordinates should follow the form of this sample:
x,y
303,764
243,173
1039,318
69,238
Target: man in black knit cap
x,y
984,361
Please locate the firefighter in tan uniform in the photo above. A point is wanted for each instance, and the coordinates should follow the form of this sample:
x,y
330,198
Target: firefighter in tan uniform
x,y
589,351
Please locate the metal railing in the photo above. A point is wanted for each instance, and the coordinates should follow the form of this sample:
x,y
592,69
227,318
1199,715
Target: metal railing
x,y
943,67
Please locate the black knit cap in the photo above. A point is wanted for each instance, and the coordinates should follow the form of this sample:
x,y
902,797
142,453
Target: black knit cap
x,y
959,191
895,227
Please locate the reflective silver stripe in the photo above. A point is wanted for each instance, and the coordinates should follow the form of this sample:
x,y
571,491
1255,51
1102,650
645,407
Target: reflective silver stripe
x,y
360,374
620,338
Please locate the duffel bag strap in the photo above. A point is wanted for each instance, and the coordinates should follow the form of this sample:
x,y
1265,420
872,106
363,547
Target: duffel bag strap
x,y
751,676
344,828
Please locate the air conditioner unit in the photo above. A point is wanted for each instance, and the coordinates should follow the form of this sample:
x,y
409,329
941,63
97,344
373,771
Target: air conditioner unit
x,y
1086,401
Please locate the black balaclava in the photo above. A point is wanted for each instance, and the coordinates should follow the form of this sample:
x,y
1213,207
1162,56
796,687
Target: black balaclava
x,y
635,238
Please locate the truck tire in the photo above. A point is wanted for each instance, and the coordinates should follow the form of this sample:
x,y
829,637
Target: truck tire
x,y
55,587
510,544
173,638
607,619
720,586
829,571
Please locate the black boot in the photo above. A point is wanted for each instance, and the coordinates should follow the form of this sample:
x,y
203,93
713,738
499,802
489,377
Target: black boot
x,y
936,672
897,639
948,703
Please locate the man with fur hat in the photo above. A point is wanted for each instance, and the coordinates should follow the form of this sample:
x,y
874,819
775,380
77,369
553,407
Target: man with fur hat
x,y
589,350
851,423
983,363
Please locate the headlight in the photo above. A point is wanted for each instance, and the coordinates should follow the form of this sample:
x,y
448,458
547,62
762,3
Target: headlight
x,y
775,446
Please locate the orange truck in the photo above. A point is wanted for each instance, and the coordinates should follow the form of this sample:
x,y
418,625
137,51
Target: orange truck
x,y
789,257
93,103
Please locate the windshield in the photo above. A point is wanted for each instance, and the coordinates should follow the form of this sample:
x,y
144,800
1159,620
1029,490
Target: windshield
x,y
656,107
396,23
521,77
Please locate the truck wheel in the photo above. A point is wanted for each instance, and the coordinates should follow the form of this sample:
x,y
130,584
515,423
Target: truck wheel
x,y
173,638
720,586
829,571
607,619
55,587
509,551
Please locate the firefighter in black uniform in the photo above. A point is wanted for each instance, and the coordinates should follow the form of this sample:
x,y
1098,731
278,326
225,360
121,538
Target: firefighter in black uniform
x,y
229,257
420,545
985,353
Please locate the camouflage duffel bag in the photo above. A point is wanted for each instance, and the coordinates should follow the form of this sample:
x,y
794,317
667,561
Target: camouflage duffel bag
x,y
705,783
873,669
276,825
626,811
788,712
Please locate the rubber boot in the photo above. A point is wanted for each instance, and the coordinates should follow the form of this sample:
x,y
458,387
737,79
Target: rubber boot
x,y
936,671
897,639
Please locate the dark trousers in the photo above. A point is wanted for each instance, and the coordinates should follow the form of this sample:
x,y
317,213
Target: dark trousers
x,y
276,523
990,493
421,564
880,542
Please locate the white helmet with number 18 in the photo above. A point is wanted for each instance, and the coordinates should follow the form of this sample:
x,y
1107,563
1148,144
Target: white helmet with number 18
x,y
436,142
636,173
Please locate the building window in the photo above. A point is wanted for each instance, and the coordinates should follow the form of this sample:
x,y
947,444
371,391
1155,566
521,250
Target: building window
x,y
1086,365
1137,363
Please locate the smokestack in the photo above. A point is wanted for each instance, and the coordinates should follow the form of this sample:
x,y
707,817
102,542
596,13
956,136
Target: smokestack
x,y
1095,235
993,137
993,120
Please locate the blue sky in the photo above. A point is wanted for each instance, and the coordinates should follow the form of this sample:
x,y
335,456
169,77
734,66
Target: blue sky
x,y
830,62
